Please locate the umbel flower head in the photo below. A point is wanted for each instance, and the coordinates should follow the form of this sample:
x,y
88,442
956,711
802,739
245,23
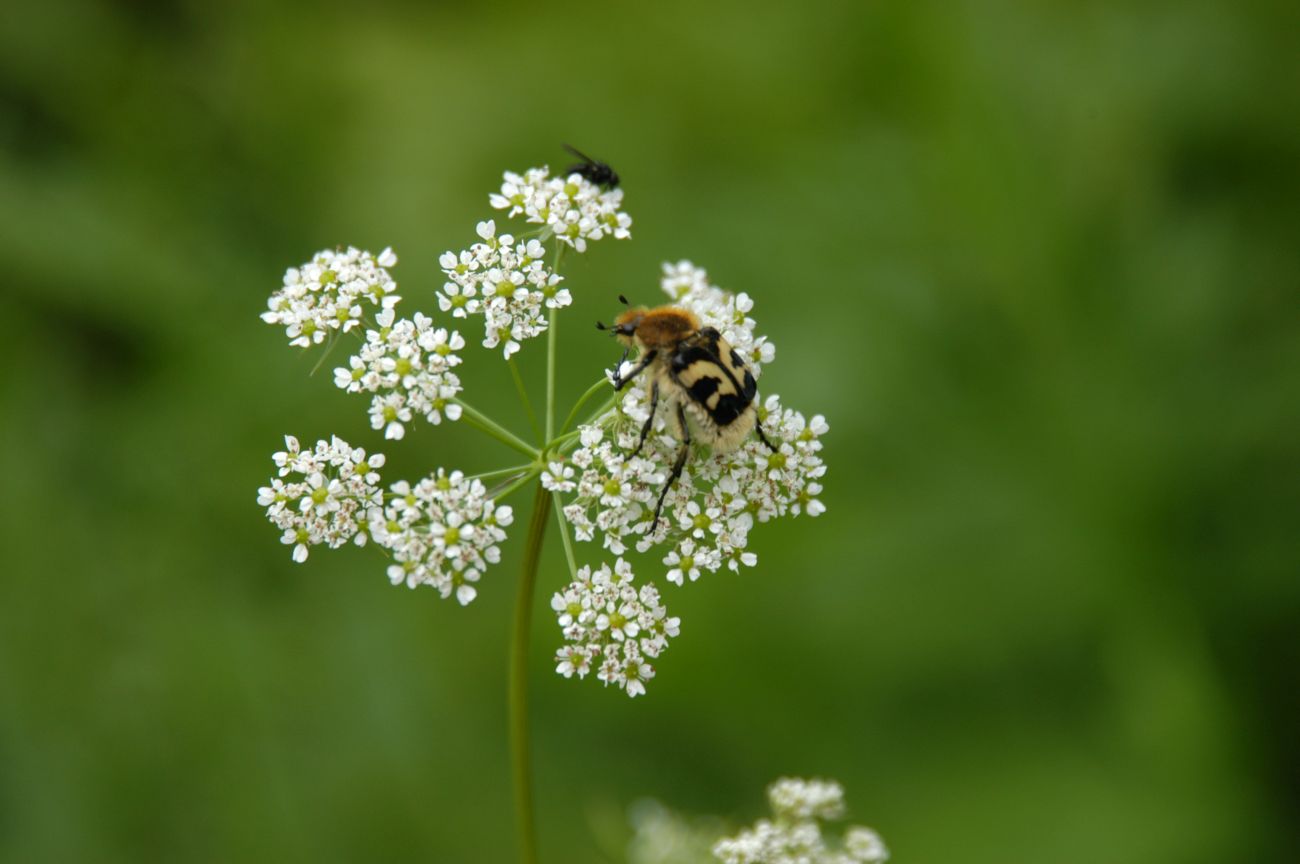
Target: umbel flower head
x,y
323,495
330,292
794,834
508,283
611,626
574,209
445,530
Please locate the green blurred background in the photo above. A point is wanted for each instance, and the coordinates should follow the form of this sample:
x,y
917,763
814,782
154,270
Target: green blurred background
x,y
1037,264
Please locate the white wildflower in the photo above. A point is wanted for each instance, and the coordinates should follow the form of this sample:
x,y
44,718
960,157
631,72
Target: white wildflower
x,y
442,532
329,294
574,209
508,283
865,845
611,625
322,496
406,364
792,798
558,477
795,834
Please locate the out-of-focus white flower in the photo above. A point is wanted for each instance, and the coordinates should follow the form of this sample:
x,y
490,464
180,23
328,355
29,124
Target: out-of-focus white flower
x,y
573,208
442,532
329,294
322,495
865,845
795,834
612,626
792,798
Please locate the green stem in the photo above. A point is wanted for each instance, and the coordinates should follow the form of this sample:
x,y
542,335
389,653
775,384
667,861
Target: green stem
x,y
564,535
503,472
582,400
486,424
523,397
550,373
329,349
516,484
569,439
518,696
605,407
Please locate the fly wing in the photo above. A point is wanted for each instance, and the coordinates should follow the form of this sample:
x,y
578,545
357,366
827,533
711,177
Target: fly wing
x,y
714,375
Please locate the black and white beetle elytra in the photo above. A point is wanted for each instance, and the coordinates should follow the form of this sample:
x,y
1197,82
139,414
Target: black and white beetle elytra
x,y
696,373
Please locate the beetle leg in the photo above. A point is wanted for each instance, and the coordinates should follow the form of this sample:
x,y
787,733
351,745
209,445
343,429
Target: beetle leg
x,y
682,453
649,421
758,427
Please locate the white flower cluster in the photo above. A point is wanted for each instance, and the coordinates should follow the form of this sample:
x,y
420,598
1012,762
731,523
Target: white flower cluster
x,y
443,532
795,835
573,208
407,365
326,295
611,625
508,283
323,495
708,514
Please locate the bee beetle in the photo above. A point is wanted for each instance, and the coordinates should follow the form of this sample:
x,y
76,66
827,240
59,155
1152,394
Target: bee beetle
x,y
597,172
696,372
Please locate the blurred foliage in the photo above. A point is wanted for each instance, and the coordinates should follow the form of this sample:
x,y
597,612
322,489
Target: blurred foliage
x,y
1036,263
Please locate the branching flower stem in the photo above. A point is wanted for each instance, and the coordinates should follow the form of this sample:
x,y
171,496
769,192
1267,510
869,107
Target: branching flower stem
x,y
523,396
489,426
600,385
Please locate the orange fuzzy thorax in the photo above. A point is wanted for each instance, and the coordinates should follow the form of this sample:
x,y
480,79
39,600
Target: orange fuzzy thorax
x,y
663,327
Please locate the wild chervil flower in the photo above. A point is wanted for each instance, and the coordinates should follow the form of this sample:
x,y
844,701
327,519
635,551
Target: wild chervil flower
x,y
329,294
443,532
508,283
573,208
611,626
794,836
322,495
407,364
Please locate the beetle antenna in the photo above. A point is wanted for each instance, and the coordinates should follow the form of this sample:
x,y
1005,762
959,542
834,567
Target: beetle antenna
x,y
623,300
600,325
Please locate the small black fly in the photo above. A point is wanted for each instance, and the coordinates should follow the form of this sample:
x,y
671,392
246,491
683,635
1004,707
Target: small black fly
x,y
597,172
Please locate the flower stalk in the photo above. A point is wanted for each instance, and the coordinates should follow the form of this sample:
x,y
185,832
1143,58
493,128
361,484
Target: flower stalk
x,y
520,751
